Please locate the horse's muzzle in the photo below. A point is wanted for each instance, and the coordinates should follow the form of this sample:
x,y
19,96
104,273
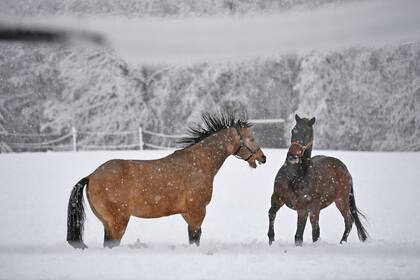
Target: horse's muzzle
x,y
293,159
257,157
262,159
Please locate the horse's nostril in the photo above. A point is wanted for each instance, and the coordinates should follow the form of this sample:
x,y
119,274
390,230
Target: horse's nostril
x,y
263,159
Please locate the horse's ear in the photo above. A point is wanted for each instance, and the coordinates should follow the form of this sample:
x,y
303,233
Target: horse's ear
x,y
312,121
297,118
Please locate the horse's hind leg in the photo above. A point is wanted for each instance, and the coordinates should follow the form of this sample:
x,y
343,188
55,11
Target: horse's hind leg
x,y
302,218
108,240
113,215
194,219
276,203
344,208
114,231
314,218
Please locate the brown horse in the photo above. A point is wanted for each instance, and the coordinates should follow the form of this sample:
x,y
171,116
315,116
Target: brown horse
x,y
180,183
308,185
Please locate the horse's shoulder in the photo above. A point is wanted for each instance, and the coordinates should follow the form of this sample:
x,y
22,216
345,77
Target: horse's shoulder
x,y
282,170
282,178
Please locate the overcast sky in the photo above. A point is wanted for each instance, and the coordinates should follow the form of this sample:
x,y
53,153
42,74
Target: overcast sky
x,y
367,23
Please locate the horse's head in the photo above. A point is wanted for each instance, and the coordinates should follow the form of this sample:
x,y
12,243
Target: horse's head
x,y
236,135
248,149
302,139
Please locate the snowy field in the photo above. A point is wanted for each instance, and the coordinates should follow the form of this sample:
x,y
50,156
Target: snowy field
x,y
35,190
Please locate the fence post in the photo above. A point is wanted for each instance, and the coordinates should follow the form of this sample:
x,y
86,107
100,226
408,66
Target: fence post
x,y
74,133
141,138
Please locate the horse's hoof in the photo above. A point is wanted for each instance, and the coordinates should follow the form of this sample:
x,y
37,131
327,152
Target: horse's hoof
x,y
270,237
298,243
270,242
78,245
111,243
196,242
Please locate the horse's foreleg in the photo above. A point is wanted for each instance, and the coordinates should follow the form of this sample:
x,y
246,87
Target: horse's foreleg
x,y
314,218
276,203
194,219
301,223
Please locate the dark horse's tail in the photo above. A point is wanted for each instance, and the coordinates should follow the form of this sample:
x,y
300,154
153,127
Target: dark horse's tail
x,y
76,215
361,231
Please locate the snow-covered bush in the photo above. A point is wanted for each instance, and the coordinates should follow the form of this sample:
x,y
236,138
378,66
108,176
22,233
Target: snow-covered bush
x,y
363,98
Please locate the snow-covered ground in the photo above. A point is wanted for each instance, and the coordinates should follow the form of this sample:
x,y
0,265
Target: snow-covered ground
x,y
33,201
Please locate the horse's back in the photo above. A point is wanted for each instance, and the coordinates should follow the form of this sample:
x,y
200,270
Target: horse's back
x,y
327,162
113,164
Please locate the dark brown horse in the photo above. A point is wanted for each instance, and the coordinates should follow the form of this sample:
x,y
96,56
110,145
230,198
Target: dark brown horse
x,y
308,185
181,183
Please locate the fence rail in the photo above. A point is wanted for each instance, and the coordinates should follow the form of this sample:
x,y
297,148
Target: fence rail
x,y
71,141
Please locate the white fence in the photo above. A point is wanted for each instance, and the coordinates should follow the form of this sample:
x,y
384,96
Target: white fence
x,y
71,141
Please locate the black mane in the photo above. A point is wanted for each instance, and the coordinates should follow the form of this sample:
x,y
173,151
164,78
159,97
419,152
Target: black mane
x,y
212,123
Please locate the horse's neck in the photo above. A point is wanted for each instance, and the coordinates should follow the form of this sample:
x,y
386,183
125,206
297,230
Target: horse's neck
x,y
213,151
293,173
307,153
306,159
296,172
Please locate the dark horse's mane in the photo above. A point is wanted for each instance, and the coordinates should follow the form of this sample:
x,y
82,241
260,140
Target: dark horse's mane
x,y
212,123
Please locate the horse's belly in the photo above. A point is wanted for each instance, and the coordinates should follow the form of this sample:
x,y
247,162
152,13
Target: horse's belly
x,y
305,199
149,212
155,205
290,201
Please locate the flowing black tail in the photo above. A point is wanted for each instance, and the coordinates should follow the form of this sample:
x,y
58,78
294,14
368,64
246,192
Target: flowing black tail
x,y
76,215
361,231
